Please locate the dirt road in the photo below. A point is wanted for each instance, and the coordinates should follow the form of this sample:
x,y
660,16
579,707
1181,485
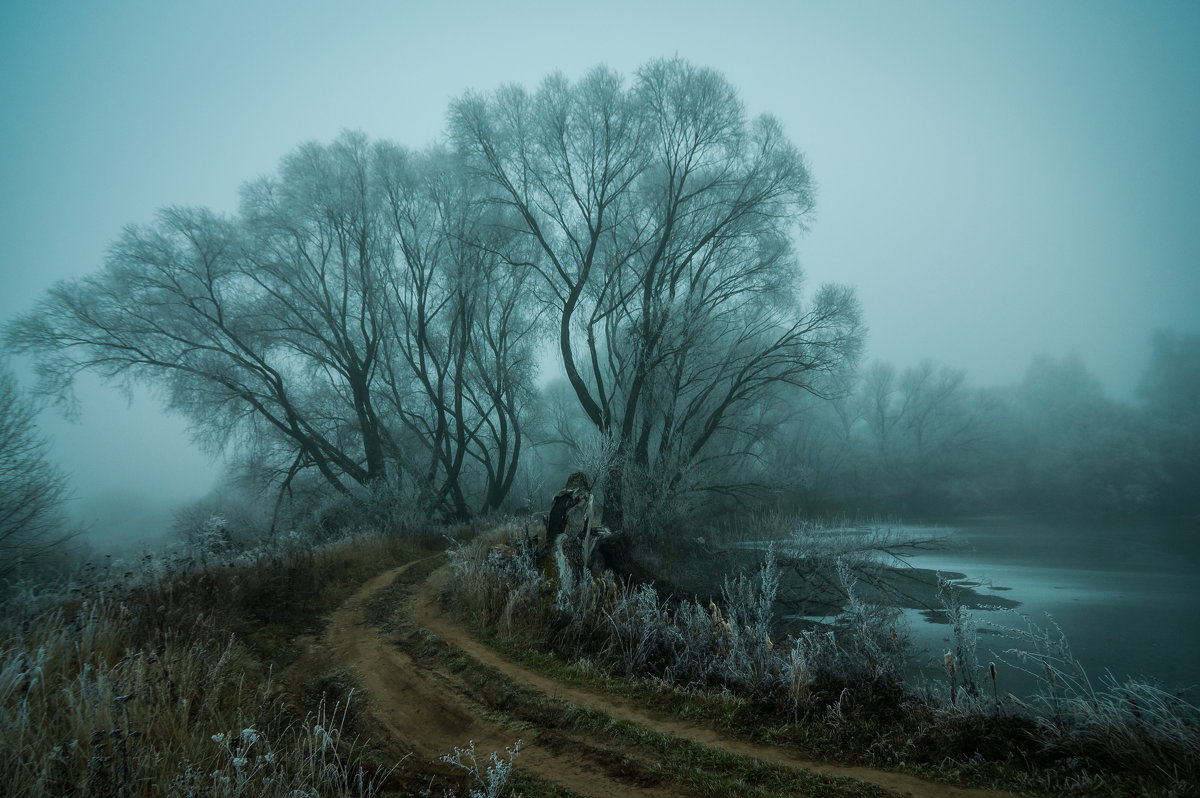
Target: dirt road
x,y
427,710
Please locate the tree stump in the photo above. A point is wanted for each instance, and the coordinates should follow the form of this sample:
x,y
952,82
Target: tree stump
x,y
586,547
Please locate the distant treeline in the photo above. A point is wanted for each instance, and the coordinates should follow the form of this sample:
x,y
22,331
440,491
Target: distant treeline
x,y
919,442
923,441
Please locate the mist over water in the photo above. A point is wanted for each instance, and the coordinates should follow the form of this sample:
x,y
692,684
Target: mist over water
x,y
1121,591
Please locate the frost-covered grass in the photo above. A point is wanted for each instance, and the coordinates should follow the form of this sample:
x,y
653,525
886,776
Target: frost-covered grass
x,y
103,700
163,677
489,779
1137,724
631,630
841,690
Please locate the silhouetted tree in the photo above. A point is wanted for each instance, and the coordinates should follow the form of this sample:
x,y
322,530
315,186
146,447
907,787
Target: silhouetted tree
x,y
658,221
344,321
1170,391
32,489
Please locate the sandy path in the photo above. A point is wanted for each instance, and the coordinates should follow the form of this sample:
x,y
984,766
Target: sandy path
x,y
421,709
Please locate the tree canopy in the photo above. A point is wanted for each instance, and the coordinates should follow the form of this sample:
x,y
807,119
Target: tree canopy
x,y
659,221
348,319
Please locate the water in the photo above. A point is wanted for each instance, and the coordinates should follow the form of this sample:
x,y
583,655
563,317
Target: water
x,y
1125,593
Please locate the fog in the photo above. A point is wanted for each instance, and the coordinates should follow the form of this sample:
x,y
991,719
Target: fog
x,y
996,182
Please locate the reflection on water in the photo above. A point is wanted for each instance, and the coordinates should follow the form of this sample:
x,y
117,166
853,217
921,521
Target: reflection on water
x,y
1126,594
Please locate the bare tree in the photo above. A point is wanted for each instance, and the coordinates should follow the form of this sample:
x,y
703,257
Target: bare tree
x,y
942,416
32,489
459,364
254,342
371,313
897,438
344,321
659,221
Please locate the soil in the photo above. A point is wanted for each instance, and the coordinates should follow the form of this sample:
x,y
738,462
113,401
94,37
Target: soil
x,y
427,711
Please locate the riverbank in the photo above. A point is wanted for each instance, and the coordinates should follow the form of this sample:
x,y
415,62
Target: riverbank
x,y
842,688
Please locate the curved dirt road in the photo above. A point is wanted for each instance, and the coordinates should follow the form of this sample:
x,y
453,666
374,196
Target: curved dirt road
x,y
426,714
427,711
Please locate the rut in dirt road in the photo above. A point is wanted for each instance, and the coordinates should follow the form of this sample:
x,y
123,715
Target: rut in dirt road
x,y
425,714
427,710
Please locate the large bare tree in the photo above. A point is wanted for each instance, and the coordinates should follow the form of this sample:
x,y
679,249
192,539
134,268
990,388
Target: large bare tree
x,y
345,321
371,312
659,221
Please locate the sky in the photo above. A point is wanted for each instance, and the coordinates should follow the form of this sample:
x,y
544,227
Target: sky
x,y
997,180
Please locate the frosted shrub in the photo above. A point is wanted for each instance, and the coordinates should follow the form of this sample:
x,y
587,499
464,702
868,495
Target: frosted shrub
x,y
584,611
223,523
522,595
241,764
692,642
213,536
1046,655
841,673
863,650
964,633
631,630
491,584
636,620
1134,723
487,781
875,648
814,657
750,659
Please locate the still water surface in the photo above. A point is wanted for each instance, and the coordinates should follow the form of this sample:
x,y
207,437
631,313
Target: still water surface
x,y
1126,593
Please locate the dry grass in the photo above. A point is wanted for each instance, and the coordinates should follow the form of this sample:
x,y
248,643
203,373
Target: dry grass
x,y
157,679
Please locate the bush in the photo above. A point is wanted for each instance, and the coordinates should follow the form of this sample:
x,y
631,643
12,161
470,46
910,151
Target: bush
x,y
630,630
